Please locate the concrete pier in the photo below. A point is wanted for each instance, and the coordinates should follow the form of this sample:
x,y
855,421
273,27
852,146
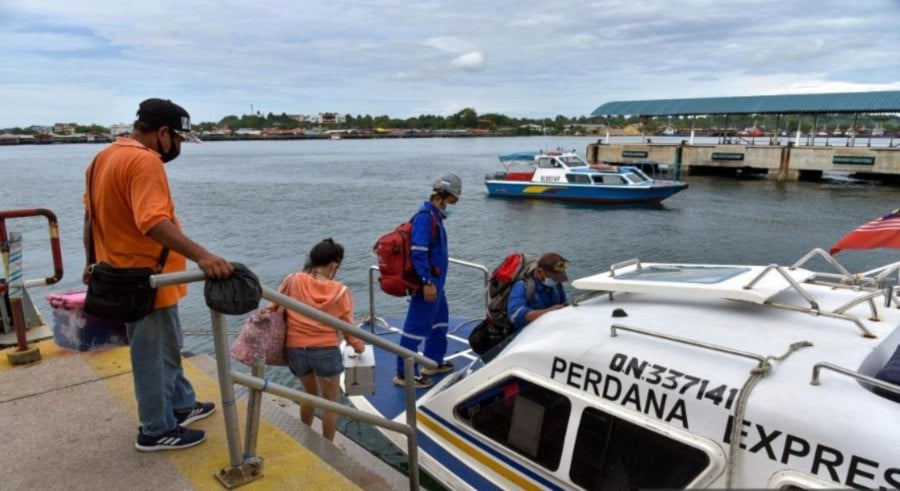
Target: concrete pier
x,y
70,422
780,162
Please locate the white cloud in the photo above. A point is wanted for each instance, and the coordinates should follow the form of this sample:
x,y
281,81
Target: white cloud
x,y
470,62
92,63
448,44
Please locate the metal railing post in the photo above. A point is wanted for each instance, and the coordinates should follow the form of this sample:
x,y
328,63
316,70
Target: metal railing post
x,y
372,297
412,442
226,388
254,402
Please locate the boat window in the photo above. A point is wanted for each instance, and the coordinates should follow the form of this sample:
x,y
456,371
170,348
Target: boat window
x,y
578,178
609,179
521,416
611,453
574,161
632,178
546,163
684,273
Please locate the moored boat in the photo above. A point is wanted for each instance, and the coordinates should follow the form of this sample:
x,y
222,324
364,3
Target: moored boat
x,y
566,176
676,375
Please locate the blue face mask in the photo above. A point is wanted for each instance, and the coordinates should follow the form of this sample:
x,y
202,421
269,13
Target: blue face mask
x,y
448,210
549,282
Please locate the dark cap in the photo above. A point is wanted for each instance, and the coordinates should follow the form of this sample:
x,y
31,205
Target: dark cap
x,y
554,266
163,112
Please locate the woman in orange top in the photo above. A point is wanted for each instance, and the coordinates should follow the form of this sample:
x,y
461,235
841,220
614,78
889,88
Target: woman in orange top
x,y
311,347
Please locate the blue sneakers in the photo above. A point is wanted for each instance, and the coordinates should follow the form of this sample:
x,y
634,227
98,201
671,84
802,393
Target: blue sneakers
x,y
201,410
178,438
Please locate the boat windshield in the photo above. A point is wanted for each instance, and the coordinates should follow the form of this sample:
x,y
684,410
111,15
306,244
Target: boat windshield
x,y
640,174
635,176
573,161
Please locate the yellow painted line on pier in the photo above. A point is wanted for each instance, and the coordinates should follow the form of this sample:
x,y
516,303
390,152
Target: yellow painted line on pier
x,y
288,465
48,349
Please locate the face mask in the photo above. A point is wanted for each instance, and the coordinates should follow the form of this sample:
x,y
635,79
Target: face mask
x,y
549,282
173,152
448,210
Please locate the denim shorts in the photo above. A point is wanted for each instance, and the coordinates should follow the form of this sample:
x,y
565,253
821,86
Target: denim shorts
x,y
324,362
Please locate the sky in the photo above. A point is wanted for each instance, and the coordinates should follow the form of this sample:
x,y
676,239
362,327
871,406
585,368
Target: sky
x,y
92,61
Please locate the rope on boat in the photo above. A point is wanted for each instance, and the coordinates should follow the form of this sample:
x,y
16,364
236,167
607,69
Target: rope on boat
x,y
757,373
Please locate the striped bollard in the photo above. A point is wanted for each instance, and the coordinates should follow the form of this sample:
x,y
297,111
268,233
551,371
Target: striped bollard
x,y
15,266
23,355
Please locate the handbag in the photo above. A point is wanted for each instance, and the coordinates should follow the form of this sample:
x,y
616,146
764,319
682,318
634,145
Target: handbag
x,y
263,333
120,294
117,294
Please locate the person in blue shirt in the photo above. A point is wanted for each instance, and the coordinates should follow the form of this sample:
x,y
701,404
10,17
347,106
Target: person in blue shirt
x,y
428,315
548,292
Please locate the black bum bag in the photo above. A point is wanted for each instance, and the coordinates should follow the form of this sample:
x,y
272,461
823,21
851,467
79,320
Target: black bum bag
x,y
120,294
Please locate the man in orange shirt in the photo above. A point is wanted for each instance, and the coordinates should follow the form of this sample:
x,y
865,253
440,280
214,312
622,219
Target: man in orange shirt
x,y
131,218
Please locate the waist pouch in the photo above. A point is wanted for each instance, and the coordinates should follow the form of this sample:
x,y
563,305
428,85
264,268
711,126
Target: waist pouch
x,y
120,294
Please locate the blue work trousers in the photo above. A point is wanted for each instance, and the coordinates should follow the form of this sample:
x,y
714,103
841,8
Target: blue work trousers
x,y
425,322
159,384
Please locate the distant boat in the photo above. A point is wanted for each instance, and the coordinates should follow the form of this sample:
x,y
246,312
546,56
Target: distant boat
x,y
566,176
335,136
753,132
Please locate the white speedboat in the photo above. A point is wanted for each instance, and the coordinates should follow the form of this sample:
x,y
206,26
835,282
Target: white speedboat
x,y
566,176
671,376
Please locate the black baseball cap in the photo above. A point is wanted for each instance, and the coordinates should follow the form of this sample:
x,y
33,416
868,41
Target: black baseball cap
x,y
163,112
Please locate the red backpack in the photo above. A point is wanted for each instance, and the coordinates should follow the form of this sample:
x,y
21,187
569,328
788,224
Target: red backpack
x,y
398,276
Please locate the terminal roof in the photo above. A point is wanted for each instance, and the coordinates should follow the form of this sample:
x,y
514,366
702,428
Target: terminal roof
x,y
850,102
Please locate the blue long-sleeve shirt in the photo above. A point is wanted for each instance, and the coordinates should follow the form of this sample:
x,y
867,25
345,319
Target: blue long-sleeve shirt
x,y
544,296
428,245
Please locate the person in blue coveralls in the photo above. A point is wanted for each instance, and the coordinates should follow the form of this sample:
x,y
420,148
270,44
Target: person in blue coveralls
x,y
549,294
428,315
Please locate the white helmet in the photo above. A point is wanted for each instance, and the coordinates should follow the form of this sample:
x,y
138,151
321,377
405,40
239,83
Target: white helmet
x,y
450,183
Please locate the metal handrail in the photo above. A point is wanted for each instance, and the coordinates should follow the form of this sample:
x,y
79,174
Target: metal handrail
x,y
850,373
691,342
824,255
55,249
813,309
12,262
624,264
485,272
373,319
245,465
796,286
874,277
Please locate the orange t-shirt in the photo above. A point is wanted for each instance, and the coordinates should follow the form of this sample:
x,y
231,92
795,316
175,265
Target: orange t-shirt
x,y
131,196
329,296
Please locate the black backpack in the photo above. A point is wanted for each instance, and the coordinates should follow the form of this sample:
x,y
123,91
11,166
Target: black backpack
x,y
497,326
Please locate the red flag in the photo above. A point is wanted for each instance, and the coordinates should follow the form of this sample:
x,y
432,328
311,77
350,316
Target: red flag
x,y
881,232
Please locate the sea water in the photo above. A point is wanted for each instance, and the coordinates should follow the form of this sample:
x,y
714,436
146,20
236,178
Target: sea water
x,y
265,204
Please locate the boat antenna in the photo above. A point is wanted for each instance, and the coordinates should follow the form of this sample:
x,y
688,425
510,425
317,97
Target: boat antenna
x,y
544,131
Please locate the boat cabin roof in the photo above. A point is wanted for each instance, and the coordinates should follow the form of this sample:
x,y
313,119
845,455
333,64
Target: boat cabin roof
x,y
570,162
545,160
695,280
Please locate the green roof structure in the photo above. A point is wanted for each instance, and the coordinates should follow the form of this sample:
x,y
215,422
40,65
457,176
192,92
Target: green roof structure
x,y
849,102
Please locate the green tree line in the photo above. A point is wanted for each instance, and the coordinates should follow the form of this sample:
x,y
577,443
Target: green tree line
x,y
469,119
